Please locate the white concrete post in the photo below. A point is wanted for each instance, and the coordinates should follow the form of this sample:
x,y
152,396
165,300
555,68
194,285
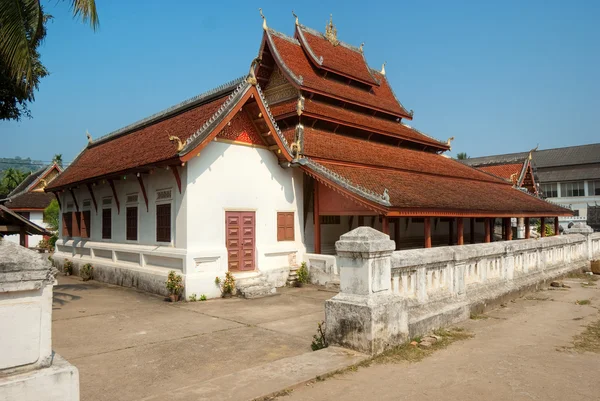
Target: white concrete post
x,y
586,231
365,315
29,370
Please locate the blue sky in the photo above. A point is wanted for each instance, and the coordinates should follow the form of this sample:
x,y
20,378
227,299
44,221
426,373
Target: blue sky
x,y
499,76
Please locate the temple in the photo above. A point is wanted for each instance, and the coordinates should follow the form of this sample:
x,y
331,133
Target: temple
x,y
257,173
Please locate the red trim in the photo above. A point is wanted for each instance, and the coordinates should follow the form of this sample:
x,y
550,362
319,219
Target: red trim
x,y
141,181
25,209
175,171
74,199
89,187
114,191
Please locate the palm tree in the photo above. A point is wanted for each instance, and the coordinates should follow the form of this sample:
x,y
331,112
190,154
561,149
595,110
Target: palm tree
x,y
462,156
22,28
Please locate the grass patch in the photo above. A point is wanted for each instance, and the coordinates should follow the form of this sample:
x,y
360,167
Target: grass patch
x,y
414,353
583,302
589,340
537,298
588,284
583,276
478,316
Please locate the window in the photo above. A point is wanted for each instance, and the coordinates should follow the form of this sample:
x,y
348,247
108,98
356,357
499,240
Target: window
x,y
76,222
575,188
550,190
330,219
67,224
285,226
594,188
163,222
132,223
106,223
85,224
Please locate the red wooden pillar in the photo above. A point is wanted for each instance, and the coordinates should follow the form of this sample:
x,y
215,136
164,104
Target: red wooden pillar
x,y
488,224
385,225
472,241
397,232
460,227
527,229
427,232
509,233
543,227
556,226
451,231
317,220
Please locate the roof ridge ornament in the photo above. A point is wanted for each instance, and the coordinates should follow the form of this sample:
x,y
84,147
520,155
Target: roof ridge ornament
x,y
176,139
331,32
89,136
382,72
361,48
300,105
264,25
533,150
251,78
448,142
295,16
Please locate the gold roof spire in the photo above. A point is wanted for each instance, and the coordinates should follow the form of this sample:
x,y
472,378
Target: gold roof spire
x,y
295,16
264,19
331,32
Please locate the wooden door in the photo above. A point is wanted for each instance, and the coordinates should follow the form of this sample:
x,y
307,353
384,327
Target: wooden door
x,y
240,240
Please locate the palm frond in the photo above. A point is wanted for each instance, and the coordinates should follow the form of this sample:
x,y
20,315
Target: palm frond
x,y
86,9
21,25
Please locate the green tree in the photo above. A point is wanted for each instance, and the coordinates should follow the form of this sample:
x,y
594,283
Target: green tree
x,y
58,159
22,28
462,156
12,178
51,215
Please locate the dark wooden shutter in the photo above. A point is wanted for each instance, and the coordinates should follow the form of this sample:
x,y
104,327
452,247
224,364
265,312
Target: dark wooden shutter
x,y
163,223
67,224
85,225
106,223
285,226
75,223
132,223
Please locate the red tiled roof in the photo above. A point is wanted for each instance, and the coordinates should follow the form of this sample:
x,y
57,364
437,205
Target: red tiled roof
x,y
30,200
408,189
380,97
339,59
364,121
504,171
147,145
327,145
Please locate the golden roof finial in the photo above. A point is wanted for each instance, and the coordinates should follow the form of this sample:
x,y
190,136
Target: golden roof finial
x,y
362,46
331,32
533,150
300,105
264,19
448,142
295,16
383,68
177,141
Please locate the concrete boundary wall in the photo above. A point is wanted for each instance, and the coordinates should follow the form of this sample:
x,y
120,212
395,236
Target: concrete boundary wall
x,y
387,297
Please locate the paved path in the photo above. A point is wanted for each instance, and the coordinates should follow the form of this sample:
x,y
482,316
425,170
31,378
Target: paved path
x,y
130,345
517,354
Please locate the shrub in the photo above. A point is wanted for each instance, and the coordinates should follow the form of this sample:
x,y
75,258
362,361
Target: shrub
x,y
193,298
52,242
174,283
226,286
202,297
68,267
43,244
302,275
86,272
549,228
319,341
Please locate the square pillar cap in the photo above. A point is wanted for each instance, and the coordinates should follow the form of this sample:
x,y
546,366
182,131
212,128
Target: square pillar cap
x,y
365,240
579,228
22,269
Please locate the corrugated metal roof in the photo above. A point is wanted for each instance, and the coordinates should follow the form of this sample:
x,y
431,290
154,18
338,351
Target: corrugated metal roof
x,y
553,174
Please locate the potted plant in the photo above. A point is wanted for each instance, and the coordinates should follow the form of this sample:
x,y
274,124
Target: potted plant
x,y
68,267
302,276
174,285
226,286
86,272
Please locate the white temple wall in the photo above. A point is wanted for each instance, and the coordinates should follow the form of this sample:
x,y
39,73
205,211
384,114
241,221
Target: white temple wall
x,y
232,177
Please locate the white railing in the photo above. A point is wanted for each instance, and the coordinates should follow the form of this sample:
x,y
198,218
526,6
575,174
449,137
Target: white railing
x,y
428,274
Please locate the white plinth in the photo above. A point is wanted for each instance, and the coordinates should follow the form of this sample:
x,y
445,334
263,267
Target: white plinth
x,y
59,382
